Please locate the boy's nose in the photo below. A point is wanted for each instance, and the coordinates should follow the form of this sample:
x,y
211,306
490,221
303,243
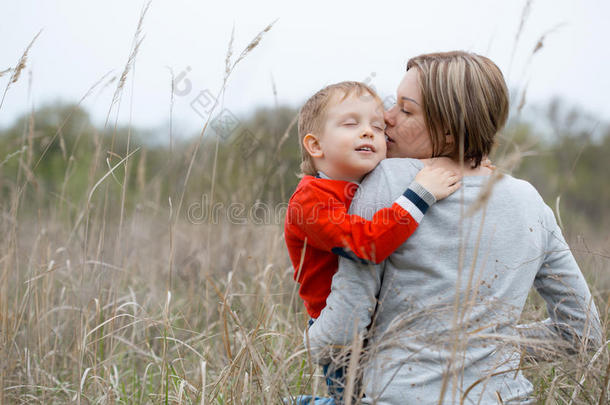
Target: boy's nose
x,y
367,133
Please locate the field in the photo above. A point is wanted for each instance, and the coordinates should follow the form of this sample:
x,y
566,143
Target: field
x,y
132,273
165,312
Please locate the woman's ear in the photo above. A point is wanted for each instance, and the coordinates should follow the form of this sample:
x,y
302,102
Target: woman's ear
x,y
449,138
312,146
449,143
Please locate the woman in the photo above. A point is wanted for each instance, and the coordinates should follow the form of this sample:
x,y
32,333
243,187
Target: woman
x,y
440,315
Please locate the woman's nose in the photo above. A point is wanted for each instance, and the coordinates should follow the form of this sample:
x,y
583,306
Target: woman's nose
x,y
388,116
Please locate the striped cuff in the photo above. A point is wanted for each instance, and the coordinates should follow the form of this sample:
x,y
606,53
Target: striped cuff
x,y
423,193
416,200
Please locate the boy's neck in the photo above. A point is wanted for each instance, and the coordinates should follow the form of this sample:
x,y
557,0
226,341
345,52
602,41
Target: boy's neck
x,y
323,175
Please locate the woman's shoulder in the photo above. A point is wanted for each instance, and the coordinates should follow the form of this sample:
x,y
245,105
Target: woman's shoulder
x,y
396,168
519,192
388,180
520,186
400,164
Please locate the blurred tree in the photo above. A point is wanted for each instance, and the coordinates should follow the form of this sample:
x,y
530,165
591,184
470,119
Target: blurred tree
x,y
59,154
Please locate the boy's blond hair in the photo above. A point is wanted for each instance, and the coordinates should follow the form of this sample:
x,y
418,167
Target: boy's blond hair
x,y
312,116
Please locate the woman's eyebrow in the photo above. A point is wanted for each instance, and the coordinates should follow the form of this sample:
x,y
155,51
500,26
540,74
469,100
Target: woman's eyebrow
x,y
409,99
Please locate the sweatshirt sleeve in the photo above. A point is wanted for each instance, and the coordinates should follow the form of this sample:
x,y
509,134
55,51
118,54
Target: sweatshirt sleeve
x,y
348,312
570,306
323,217
350,306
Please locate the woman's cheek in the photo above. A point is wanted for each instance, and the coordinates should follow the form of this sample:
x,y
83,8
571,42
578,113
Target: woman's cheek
x,y
420,140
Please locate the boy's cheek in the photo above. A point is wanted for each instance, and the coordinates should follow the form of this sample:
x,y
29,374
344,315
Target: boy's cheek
x,y
383,152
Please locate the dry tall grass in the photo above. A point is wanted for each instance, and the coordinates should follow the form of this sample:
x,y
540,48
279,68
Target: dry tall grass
x,y
113,324
110,305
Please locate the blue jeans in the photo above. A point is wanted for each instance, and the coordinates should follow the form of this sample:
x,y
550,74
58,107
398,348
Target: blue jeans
x,y
309,400
335,379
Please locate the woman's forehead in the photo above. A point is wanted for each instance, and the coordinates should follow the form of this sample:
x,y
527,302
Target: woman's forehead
x,y
409,87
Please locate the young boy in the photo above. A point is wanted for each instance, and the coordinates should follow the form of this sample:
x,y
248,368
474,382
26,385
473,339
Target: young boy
x,y
341,133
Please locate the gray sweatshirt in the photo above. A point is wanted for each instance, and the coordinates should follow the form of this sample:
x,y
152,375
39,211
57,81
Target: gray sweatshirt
x,y
441,313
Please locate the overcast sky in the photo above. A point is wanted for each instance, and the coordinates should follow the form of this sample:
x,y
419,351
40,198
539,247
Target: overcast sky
x,y
313,43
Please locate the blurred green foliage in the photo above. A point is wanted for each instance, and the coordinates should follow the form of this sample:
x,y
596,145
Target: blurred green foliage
x,y
56,155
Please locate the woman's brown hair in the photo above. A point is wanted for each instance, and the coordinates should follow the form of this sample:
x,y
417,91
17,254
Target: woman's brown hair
x,y
465,95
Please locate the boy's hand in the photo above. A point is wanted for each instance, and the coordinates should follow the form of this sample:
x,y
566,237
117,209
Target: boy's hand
x,y
438,181
487,163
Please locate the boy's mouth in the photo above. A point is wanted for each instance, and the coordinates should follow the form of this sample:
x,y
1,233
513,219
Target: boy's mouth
x,y
388,139
366,148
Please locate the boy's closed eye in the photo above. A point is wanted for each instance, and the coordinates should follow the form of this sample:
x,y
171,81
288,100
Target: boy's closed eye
x,y
378,125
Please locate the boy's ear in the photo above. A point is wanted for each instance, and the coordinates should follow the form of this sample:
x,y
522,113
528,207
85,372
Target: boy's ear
x,y
312,146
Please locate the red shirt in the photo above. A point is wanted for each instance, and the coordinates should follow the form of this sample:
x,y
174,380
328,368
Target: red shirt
x,y
318,229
